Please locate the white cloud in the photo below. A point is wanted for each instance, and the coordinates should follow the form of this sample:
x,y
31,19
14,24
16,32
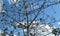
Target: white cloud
x,y
15,1
58,23
15,35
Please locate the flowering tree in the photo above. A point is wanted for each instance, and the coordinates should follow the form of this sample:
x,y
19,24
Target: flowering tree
x,y
17,16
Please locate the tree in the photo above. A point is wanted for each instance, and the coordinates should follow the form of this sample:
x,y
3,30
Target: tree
x,y
1,5
56,31
21,14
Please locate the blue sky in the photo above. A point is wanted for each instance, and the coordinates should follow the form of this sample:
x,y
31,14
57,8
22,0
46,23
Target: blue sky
x,y
48,11
51,10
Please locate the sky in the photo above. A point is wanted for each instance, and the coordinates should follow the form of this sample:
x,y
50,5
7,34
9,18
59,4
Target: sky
x,y
50,11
